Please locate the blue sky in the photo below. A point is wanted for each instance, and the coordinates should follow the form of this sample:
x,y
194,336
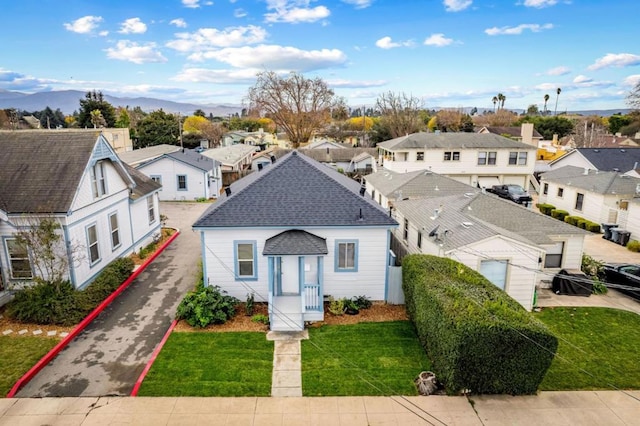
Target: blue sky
x,y
448,53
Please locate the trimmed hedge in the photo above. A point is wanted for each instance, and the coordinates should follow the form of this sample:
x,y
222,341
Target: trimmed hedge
x,y
583,223
559,214
476,336
546,208
593,227
60,303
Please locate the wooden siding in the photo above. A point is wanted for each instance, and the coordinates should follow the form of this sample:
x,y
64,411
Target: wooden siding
x,y
169,169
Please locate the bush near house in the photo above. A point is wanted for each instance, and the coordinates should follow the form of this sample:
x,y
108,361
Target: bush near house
x,y
546,208
634,246
583,223
559,214
60,303
477,337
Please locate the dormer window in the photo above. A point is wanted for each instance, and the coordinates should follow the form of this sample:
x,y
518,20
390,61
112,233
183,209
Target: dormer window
x,y
98,180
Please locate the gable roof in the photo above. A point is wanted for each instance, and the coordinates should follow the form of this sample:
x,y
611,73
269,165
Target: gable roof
x,y
295,241
594,181
458,140
421,183
188,157
470,218
318,142
144,185
512,131
230,155
343,155
295,191
608,159
142,155
41,171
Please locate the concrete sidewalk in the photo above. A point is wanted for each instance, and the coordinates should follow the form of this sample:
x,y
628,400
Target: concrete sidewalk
x,y
548,408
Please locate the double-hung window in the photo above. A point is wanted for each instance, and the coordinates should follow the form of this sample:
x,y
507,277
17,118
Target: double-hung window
x,y
98,180
19,262
579,201
151,209
245,254
182,182
92,243
545,189
485,158
452,156
346,256
518,158
405,235
114,229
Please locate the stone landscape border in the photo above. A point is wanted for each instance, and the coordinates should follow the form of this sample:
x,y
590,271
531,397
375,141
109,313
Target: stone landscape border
x,y
87,320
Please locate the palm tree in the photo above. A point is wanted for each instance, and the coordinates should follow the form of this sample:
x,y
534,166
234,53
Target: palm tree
x,y
546,99
495,101
504,98
555,111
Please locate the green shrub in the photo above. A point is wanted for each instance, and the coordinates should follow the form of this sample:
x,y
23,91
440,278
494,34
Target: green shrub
x,y
261,318
205,306
250,304
146,251
592,227
599,287
546,208
634,246
559,214
111,277
336,307
581,222
571,220
476,336
362,302
44,303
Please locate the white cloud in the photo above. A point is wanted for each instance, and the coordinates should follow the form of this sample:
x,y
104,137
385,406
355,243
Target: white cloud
x,y
351,84
193,4
294,12
618,60
277,57
547,86
438,40
204,75
536,28
179,22
632,80
84,25
359,4
456,5
239,13
582,79
133,26
561,70
539,4
103,33
387,43
211,38
126,50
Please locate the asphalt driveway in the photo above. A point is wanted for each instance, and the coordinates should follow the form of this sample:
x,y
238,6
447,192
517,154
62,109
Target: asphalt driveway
x,y
109,355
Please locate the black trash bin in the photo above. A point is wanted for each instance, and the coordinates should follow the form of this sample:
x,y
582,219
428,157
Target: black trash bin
x,y
623,237
606,227
615,235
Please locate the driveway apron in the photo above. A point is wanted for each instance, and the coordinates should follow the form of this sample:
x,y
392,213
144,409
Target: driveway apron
x,y
109,355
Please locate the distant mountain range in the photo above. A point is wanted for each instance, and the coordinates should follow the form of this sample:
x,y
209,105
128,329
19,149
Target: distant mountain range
x,y
68,101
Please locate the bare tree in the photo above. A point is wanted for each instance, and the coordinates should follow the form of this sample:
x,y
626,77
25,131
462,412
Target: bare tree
x,y
400,113
297,105
633,98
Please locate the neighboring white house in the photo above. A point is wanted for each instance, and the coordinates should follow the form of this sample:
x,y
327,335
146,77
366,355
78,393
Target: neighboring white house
x,y
623,159
249,138
232,158
264,158
348,159
185,175
476,159
601,197
142,155
513,247
324,143
293,234
105,208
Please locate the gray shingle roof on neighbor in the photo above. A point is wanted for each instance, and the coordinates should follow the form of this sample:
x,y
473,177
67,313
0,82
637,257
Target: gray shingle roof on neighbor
x,y
456,140
142,155
475,217
511,131
600,182
190,157
295,191
422,183
609,159
294,242
337,155
143,184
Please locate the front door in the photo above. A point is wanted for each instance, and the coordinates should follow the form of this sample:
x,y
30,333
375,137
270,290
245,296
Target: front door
x,y
289,276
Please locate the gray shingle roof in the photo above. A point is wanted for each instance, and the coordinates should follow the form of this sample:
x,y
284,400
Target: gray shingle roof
x,y
295,242
41,171
600,182
459,140
142,155
609,159
143,184
472,218
511,131
416,184
295,191
190,157
337,155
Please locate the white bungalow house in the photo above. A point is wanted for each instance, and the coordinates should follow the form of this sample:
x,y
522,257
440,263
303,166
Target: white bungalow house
x,y
293,234
513,247
479,160
105,208
232,158
263,158
143,155
601,197
362,160
185,175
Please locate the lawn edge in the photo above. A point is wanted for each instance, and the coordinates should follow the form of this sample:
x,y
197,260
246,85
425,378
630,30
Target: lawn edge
x,y
154,355
87,320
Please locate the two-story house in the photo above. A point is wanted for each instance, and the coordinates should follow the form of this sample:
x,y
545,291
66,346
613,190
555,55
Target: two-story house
x,y
105,209
479,160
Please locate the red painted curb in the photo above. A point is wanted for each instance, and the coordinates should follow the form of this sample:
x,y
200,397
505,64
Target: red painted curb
x,y
155,353
83,324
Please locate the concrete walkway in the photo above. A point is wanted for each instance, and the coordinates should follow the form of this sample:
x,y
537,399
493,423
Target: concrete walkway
x,y
548,408
286,379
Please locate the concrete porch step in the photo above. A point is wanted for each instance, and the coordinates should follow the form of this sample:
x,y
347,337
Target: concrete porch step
x,y
283,321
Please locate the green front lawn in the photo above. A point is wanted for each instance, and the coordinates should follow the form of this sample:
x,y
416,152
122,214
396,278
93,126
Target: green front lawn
x,y
18,355
381,358
601,341
212,364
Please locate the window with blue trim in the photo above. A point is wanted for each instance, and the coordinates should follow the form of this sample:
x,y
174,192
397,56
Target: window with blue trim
x,y
346,253
114,228
182,182
245,254
92,243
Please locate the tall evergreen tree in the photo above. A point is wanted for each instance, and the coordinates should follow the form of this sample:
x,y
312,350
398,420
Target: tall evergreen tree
x,y
95,101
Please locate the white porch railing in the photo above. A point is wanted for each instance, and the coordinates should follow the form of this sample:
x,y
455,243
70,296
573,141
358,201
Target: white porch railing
x,y
312,297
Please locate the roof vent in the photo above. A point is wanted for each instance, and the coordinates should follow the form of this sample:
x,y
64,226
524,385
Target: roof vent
x,y
467,225
623,150
360,217
596,150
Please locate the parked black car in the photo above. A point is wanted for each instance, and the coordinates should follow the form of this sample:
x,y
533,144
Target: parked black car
x,y
515,193
624,274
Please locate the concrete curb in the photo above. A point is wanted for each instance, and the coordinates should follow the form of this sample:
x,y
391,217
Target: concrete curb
x,y
85,322
155,353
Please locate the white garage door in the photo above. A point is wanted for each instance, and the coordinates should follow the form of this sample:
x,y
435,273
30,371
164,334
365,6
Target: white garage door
x,y
495,271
